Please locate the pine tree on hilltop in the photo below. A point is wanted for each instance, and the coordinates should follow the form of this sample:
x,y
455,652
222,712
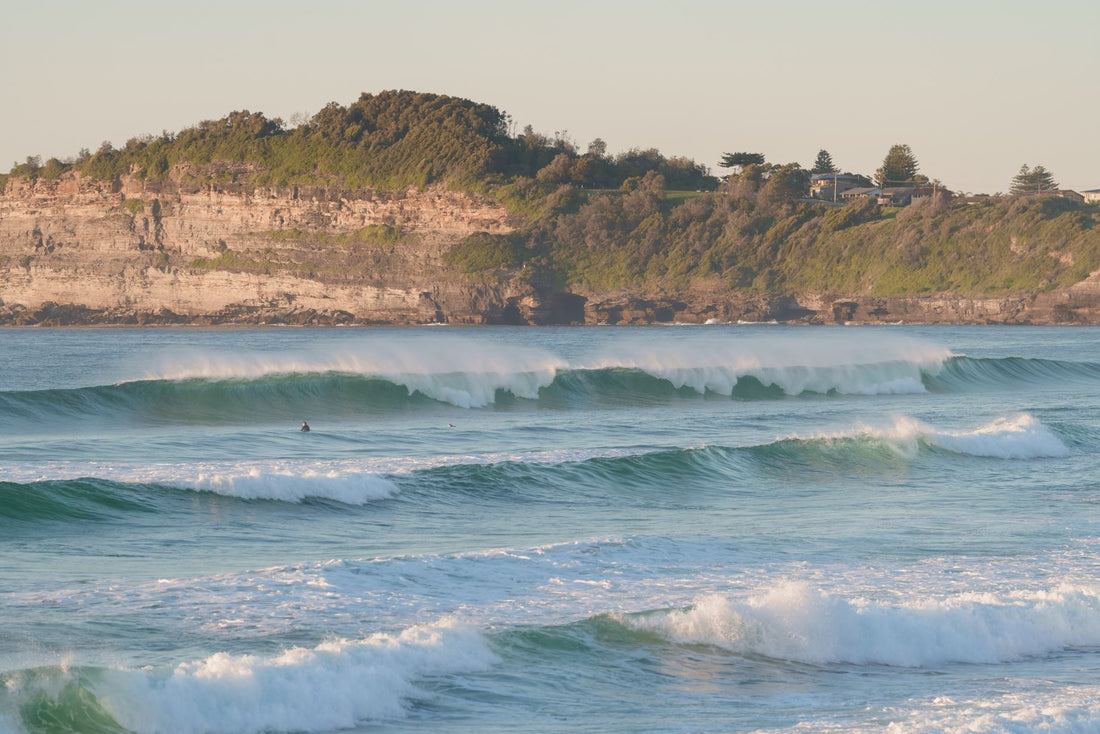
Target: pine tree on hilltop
x,y
824,163
729,160
1033,181
899,166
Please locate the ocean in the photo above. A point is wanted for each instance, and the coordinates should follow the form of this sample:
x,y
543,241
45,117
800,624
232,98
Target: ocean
x,y
720,528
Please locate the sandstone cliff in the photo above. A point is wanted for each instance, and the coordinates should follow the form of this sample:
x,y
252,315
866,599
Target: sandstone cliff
x,y
133,251
75,250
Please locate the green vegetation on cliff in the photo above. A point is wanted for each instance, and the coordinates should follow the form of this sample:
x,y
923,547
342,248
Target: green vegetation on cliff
x,y
767,240
635,221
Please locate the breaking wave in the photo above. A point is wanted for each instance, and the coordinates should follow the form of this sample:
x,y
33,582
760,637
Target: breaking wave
x,y
397,376
796,622
250,388
336,685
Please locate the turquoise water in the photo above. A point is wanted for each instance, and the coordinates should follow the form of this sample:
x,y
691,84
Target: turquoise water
x,y
674,529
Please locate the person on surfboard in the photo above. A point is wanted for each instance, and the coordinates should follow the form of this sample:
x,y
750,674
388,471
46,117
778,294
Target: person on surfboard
x,y
305,427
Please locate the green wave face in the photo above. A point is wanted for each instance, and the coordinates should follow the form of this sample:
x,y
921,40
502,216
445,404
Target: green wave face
x,y
72,500
964,374
56,701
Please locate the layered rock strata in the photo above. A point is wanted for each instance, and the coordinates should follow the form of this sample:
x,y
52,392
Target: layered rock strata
x,y
78,250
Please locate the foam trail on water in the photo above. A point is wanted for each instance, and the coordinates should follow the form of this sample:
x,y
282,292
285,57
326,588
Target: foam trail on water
x,y
1042,707
1008,437
814,362
793,621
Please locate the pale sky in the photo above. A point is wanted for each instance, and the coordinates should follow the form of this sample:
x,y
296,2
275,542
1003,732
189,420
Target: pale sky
x,y
976,89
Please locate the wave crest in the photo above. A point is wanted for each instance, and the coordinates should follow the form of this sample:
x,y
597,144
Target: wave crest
x,y
349,486
336,685
793,621
1007,437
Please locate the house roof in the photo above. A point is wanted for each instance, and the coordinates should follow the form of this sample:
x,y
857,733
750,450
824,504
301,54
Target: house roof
x,y
834,176
872,191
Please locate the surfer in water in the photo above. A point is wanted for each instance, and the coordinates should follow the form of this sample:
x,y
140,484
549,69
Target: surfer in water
x,y
305,427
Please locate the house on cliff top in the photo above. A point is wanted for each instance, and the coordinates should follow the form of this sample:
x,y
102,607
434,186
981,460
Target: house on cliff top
x,y
895,195
830,186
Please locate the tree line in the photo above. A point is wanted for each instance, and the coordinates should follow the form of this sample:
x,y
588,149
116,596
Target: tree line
x,y
392,139
401,138
899,168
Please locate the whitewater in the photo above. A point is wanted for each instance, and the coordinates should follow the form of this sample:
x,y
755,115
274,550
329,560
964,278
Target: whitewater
x,y
727,527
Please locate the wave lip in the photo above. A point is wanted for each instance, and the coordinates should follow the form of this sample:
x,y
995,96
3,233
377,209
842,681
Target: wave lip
x,y
343,381
792,621
352,483
1007,437
351,488
813,363
463,372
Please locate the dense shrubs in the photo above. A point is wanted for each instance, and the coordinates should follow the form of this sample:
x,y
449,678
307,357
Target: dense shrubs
x,y
635,240
482,252
389,140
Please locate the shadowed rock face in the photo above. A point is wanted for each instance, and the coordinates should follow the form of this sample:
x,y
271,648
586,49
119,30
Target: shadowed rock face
x,y
82,251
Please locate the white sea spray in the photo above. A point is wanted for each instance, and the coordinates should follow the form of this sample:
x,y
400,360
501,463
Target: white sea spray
x,y
820,363
464,372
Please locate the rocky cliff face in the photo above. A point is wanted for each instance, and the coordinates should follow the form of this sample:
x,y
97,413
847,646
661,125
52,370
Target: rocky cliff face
x,y
76,251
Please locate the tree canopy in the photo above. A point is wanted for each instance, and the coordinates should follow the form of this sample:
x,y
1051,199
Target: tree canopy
x,y
899,166
824,163
1033,181
729,160
388,140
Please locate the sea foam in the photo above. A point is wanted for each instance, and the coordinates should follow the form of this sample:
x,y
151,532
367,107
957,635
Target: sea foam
x,y
1040,707
349,487
793,621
